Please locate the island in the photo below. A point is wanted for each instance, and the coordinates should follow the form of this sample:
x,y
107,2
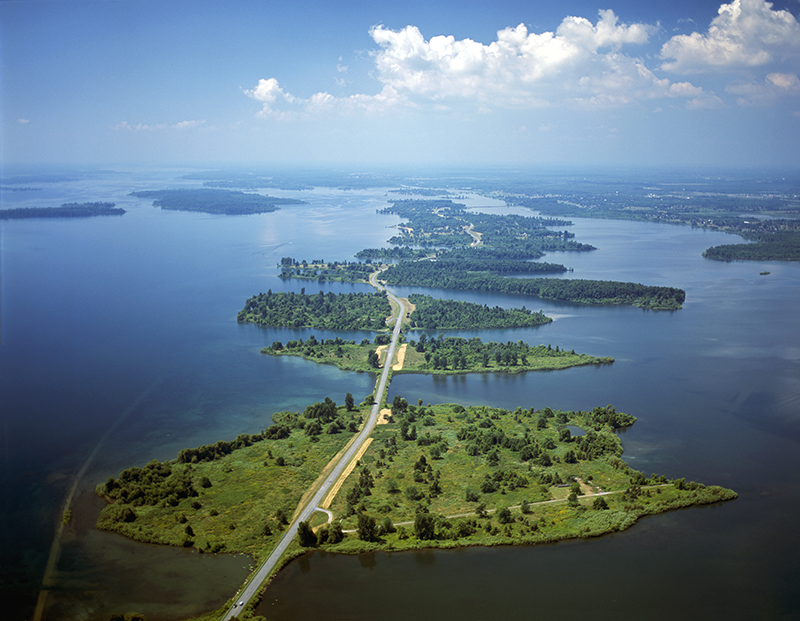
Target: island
x,y
67,210
441,476
228,202
437,355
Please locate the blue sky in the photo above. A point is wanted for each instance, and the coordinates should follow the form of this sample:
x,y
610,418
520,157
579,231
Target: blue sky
x,y
617,82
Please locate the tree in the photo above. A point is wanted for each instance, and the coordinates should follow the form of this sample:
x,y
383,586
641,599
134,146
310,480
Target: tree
x,y
335,533
367,527
305,535
425,526
599,504
387,526
349,402
504,516
372,359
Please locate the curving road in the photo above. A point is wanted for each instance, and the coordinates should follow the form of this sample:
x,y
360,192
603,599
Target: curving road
x,y
261,574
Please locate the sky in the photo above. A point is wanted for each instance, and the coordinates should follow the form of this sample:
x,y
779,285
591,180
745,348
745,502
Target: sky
x,y
375,83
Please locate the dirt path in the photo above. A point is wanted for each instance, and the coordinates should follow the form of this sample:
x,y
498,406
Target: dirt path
x,y
346,473
401,357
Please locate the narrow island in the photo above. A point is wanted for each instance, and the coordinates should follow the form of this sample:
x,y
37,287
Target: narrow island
x,y
67,210
228,202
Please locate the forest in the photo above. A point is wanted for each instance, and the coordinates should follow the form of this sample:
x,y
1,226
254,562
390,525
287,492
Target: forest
x,y
430,274
67,210
434,314
777,244
215,201
331,311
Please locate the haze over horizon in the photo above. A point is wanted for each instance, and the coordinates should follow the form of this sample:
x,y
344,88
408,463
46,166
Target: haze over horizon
x,y
452,84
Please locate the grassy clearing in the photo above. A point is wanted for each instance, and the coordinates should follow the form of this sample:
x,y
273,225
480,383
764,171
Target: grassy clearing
x,y
253,493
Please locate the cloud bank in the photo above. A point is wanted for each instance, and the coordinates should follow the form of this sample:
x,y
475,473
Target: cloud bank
x,y
580,65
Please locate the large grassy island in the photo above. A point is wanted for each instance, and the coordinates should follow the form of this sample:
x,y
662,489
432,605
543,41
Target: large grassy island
x,y
433,476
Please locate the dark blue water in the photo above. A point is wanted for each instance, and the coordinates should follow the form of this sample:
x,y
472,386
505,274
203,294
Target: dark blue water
x,y
133,318
131,321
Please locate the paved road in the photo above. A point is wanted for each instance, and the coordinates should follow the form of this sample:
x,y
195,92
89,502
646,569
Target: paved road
x,y
252,587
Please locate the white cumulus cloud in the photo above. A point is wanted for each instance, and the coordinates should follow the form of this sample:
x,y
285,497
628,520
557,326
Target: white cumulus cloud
x,y
582,64
147,127
746,33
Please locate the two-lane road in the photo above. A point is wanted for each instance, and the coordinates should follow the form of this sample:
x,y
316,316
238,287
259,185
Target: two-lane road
x,y
252,587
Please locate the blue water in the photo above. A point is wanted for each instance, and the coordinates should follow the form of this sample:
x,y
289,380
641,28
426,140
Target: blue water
x,y
131,320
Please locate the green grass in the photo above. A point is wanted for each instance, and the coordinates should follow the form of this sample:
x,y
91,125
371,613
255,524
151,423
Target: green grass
x,y
247,489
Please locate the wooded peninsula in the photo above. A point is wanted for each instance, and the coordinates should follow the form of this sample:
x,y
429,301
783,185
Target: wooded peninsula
x,y
229,202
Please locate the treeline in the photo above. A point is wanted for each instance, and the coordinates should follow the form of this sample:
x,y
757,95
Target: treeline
x,y
767,246
67,210
331,311
434,270
435,314
426,274
215,201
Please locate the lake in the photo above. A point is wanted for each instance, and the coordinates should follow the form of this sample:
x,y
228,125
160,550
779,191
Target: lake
x,y
120,345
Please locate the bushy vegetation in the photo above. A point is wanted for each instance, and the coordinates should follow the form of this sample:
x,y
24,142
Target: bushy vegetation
x,y
331,311
232,495
448,475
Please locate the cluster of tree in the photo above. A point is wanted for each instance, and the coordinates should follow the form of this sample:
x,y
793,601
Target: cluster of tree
x,y
577,290
331,311
227,202
67,210
445,352
157,482
318,418
322,271
396,253
601,416
434,314
211,452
